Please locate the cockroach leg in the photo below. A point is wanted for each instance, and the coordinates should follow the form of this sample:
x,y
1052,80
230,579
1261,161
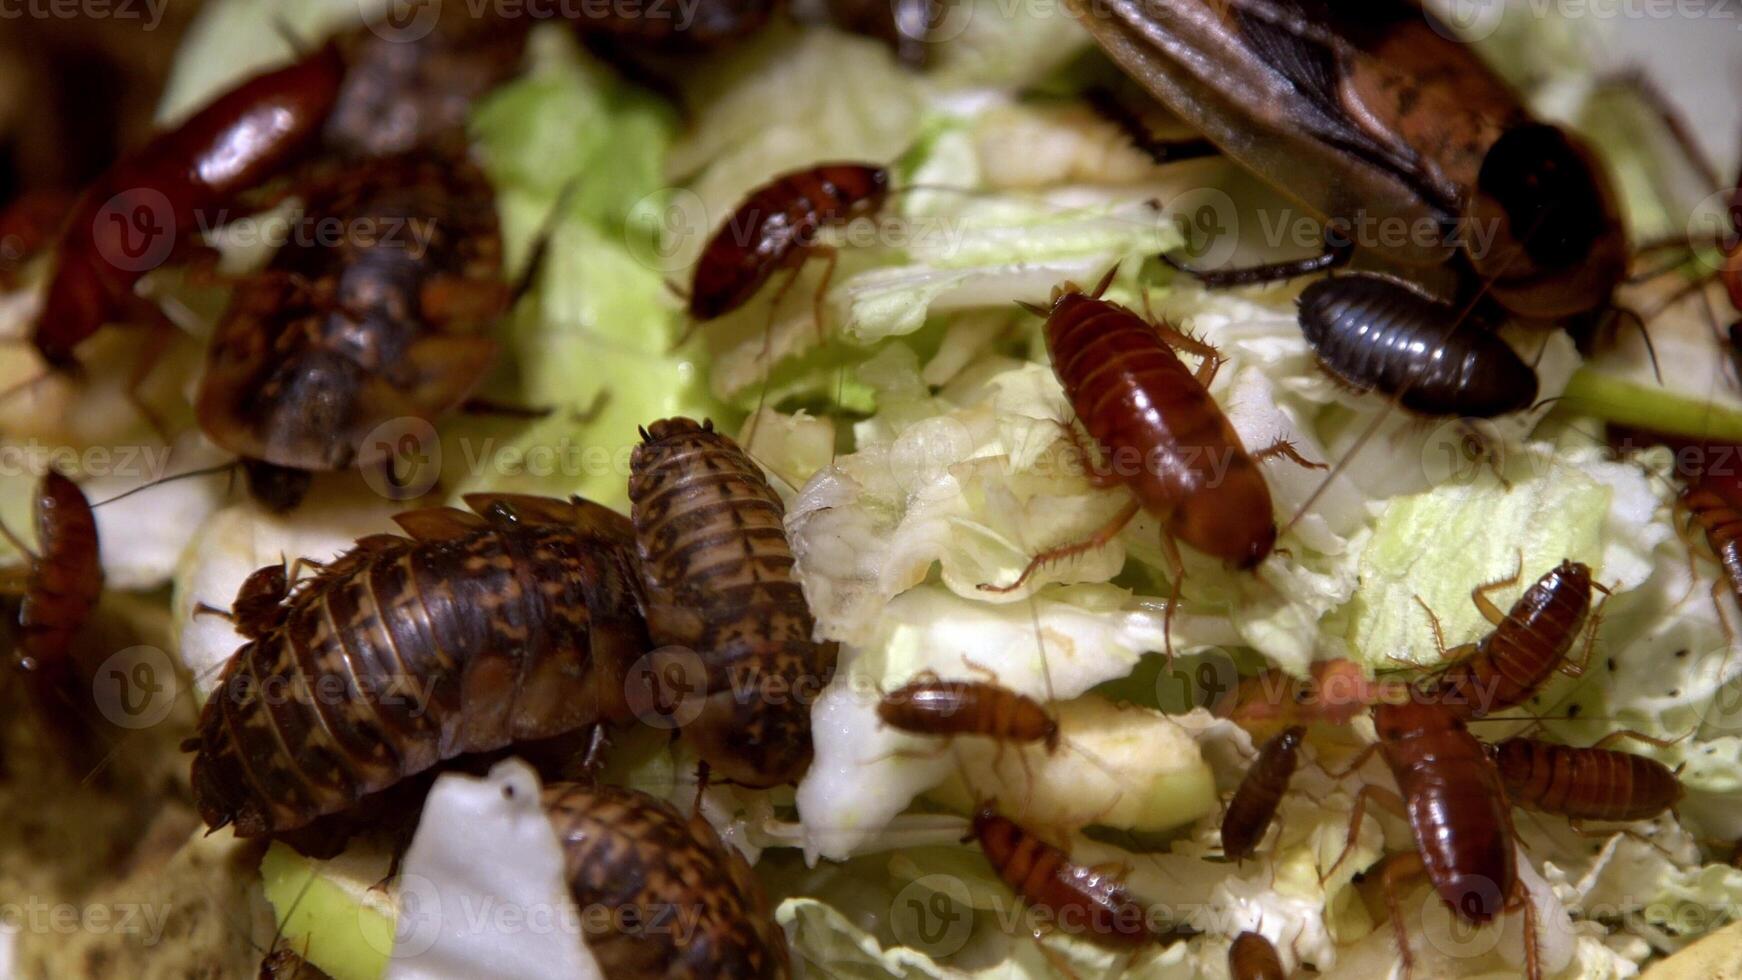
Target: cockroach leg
x,y
488,406
1097,477
1479,595
1336,254
1102,536
831,256
1386,799
1114,109
1398,869
1285,449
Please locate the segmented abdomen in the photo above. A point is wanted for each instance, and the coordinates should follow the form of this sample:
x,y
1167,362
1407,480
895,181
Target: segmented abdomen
x,y
1457,805
694,909
1511,663
67,578
1164,433
720,583
1254,803
403,652
1722,524
775,220
1376,334
380,310
1584,783
1090,903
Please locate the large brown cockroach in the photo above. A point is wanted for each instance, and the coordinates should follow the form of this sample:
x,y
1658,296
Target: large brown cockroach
x,y
478,630
1376,333
776,228
146,209
684,905
1528,645
1457,808
379,308
1160,432
1254,804
1591,783
1252,957
718,572
60,588
1400,136
1084,902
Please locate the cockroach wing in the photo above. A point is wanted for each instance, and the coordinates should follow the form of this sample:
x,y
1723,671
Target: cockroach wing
x,y
434,377
1279,90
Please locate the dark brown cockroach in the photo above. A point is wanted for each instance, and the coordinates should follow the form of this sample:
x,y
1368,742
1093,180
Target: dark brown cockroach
x,y
1528,644
341,333
146,209
60,589
1456,805
685,905
478,630
1375,117
1591,783
1376,333
1084,902
718,571
1252,957
776,228
1161,433
1254,804
402,94
929,705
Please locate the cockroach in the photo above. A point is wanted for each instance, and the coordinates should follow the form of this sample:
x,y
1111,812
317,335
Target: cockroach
x,y
144,211
718,573
386,319
1084,902
1254,804
515,622
1377,333
402,95
683,903
1269,702
1720,523
930,705
1252,957
1377,118
776,227
60,589
1163,435
1591,783
1528,644
1455,801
